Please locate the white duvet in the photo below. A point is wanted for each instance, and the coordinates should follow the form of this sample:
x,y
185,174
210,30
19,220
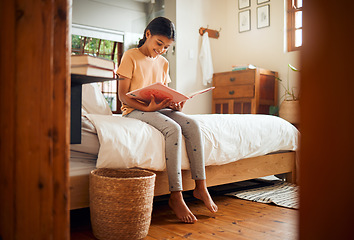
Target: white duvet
x,y
127,143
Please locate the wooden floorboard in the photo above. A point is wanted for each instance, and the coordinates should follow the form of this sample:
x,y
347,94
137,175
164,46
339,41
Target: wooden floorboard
x,y
236,219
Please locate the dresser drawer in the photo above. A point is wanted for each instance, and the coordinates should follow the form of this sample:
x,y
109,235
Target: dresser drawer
x,y
234,78
243,91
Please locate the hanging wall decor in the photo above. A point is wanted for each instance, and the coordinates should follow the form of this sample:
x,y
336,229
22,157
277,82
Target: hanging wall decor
x,y
262,1
263,13
243,4
244,21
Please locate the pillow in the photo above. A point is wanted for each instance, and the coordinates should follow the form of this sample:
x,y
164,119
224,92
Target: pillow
x,y
93,101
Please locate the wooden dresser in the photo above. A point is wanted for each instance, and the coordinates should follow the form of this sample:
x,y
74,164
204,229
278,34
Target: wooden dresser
x,y
245,91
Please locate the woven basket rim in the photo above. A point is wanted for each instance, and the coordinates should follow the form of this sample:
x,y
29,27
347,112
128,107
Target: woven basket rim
x,y
152,174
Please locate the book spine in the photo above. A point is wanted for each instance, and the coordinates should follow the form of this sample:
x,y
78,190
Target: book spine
x,y
91,66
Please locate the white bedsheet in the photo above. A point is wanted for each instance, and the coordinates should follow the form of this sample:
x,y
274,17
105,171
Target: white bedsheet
x,y
126,142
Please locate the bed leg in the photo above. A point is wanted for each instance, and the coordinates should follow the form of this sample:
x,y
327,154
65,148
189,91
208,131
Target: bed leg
x,y
290,177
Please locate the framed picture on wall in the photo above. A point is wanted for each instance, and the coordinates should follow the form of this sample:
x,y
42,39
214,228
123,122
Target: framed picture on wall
x,y
243,4
263,16
244,21
262,1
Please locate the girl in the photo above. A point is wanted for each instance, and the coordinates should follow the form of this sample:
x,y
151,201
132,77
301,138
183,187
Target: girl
x,y
141,67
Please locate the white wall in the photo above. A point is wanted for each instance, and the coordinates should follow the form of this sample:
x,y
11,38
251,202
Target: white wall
x,y
191,15
261,47
170,12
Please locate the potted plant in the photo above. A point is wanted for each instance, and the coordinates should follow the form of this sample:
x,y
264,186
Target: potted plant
x,y
290,108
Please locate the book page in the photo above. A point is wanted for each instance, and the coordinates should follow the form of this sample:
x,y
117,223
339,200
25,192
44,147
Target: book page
x,y
200,92
161,92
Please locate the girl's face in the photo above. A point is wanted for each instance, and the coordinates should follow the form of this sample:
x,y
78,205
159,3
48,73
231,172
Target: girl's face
x,y
156,44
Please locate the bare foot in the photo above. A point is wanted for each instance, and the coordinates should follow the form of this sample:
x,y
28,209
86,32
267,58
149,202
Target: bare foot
x,y
201,192
176,202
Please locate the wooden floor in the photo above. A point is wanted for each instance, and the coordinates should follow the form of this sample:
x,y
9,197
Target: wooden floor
x,y
236,219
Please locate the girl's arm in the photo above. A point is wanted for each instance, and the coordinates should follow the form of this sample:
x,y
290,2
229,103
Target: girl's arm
x,y
123,88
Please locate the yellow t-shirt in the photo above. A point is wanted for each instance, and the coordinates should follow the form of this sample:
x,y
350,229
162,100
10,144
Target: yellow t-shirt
x,y
142,71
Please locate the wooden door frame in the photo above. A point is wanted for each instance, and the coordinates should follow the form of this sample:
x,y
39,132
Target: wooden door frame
x,y
34,122
327,116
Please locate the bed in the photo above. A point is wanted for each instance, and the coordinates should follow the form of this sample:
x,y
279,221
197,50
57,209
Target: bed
x,y
237,147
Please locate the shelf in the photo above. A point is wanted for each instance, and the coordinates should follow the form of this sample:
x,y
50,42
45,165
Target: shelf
x,y
77,79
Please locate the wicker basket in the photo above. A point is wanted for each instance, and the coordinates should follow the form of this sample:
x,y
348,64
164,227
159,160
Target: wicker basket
x,y
121,203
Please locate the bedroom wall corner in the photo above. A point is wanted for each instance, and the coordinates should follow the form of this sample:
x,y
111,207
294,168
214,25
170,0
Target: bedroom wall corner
x,y
170,13
200,13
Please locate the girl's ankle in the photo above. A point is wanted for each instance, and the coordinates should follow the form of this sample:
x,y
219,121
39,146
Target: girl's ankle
x,y
200,185
176,195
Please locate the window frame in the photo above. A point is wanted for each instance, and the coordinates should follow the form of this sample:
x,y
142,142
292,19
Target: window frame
x,y
116,54
291,28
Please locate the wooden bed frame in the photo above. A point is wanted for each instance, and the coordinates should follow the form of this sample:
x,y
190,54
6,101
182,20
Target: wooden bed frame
x,y
241,170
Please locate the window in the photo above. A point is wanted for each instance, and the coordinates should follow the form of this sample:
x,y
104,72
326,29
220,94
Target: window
x,y
294,18
108,49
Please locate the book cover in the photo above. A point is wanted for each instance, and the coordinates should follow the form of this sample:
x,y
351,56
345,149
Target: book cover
x,y
92,71
84,60
162,92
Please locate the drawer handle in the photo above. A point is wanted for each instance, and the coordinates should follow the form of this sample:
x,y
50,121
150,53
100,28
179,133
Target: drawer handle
x,y
232,79
231,92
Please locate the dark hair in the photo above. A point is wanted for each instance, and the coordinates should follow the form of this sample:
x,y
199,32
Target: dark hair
x,y
160,26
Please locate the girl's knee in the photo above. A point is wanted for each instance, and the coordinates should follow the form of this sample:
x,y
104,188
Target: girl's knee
x,y
192,123
173,127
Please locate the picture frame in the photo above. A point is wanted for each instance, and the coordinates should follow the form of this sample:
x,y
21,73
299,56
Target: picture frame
x,y
262,1
244,21
263,18
244,4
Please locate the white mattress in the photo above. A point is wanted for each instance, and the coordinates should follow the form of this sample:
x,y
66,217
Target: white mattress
x,y
83,156
79,167
127,143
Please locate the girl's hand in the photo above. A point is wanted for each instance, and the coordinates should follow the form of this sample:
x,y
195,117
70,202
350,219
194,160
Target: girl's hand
x,y
177,106
153,106
123,88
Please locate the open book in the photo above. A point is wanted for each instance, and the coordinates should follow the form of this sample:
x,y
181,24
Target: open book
x,y
162,92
